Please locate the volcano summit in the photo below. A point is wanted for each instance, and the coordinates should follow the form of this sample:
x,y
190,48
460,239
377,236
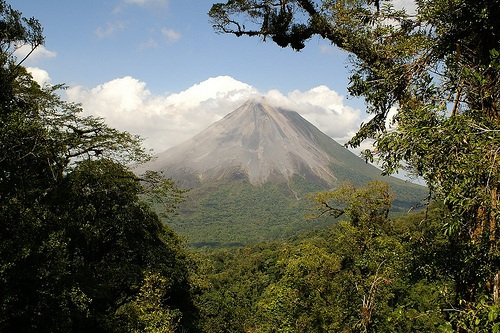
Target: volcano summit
x,y
253,151
260,143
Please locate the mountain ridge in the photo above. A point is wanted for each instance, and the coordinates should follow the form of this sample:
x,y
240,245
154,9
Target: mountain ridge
x,y
261,142
256,139
250,174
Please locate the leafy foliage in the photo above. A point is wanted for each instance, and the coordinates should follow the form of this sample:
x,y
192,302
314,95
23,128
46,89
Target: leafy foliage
x,y
147,313
438,70
238,213
355,276
76,240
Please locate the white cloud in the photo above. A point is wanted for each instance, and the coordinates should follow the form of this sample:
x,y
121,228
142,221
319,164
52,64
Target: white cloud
x,y
322,107
210,91
170,35
110,29
39,53
39,75
167,120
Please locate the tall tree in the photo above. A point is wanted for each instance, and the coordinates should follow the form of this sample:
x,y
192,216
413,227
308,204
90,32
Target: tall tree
x,y
438,68
77,241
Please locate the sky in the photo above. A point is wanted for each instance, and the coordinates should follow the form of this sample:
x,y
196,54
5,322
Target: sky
x,y
157,68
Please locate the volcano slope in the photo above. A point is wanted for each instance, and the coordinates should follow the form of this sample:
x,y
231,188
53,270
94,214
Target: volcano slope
x,y
250,176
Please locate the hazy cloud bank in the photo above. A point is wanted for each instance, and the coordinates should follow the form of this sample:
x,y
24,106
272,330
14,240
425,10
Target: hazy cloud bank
x,y
167,120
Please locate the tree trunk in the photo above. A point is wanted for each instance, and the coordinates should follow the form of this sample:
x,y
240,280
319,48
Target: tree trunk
x,y
496,287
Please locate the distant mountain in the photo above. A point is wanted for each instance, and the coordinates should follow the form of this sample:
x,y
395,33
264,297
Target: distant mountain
x,y
261,149
257,142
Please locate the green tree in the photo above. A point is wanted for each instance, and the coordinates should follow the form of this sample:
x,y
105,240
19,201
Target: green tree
x,y
76,239
372,257
399,269
147,312
366,273
233,284
113,241
365,206
303,300
439,70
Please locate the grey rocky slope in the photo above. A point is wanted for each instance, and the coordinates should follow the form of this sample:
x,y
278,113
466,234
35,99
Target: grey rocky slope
x,y
262,143
255,141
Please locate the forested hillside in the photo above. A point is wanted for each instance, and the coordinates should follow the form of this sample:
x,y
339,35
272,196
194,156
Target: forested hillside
x,y
81,249
364,274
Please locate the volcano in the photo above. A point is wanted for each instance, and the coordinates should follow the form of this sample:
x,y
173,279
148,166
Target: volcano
x,y
261,143
262,149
